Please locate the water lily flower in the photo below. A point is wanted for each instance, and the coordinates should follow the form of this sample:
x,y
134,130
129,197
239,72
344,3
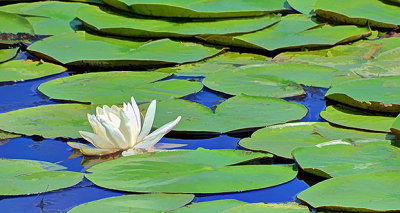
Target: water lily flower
x,y
120,129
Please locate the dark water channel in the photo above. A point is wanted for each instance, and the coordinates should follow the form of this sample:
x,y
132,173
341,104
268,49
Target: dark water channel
x,y
25,94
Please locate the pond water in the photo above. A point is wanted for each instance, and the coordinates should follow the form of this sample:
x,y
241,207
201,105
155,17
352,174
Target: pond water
x,y
25,94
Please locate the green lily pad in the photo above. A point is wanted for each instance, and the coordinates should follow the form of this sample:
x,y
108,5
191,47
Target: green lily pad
x,y
280,140
395,128
311,75
377,94
82,49
109,22
7,54
145,203
293,31
60,120
237,113
358,119
367,192
303,6
210,206
252,82
47,17
367,59
199,9
268,208
342,158
18,70
225,61
189,171
361,12
23,177
117,87
14,24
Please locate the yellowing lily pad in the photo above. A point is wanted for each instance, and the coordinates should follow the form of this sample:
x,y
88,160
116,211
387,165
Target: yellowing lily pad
x,y
293,31
61,120
109,22
188,171
210,206
269,208
117,87
378,94
371,192
18,70
82,49
199,9
225,61
361,12
252,82
358,119
342,158
280,140
6,135
237,113
365,59
145,203
23,177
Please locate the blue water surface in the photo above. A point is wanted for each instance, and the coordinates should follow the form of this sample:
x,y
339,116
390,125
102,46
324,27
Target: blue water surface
x,y
25,94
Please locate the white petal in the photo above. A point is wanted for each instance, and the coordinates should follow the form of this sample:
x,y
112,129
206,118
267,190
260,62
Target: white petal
x,y
148,144
99,129
136,111
148,121
88,150
130,152
164,129
114,135
129,127
96,140
99,111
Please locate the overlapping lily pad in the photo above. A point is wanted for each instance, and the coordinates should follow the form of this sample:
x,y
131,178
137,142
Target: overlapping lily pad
x,y
117,87
309,75
378,58
61,120
14,24
188,171
237,113
146,203
6,135
360,12
280,140
358,119
23,177
47,17
334,159
109,22
293,31
225,61
210,206
82,49
378,94
268,208
367,192
303,6
252,82
199,9
395,128
18,70
7,54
